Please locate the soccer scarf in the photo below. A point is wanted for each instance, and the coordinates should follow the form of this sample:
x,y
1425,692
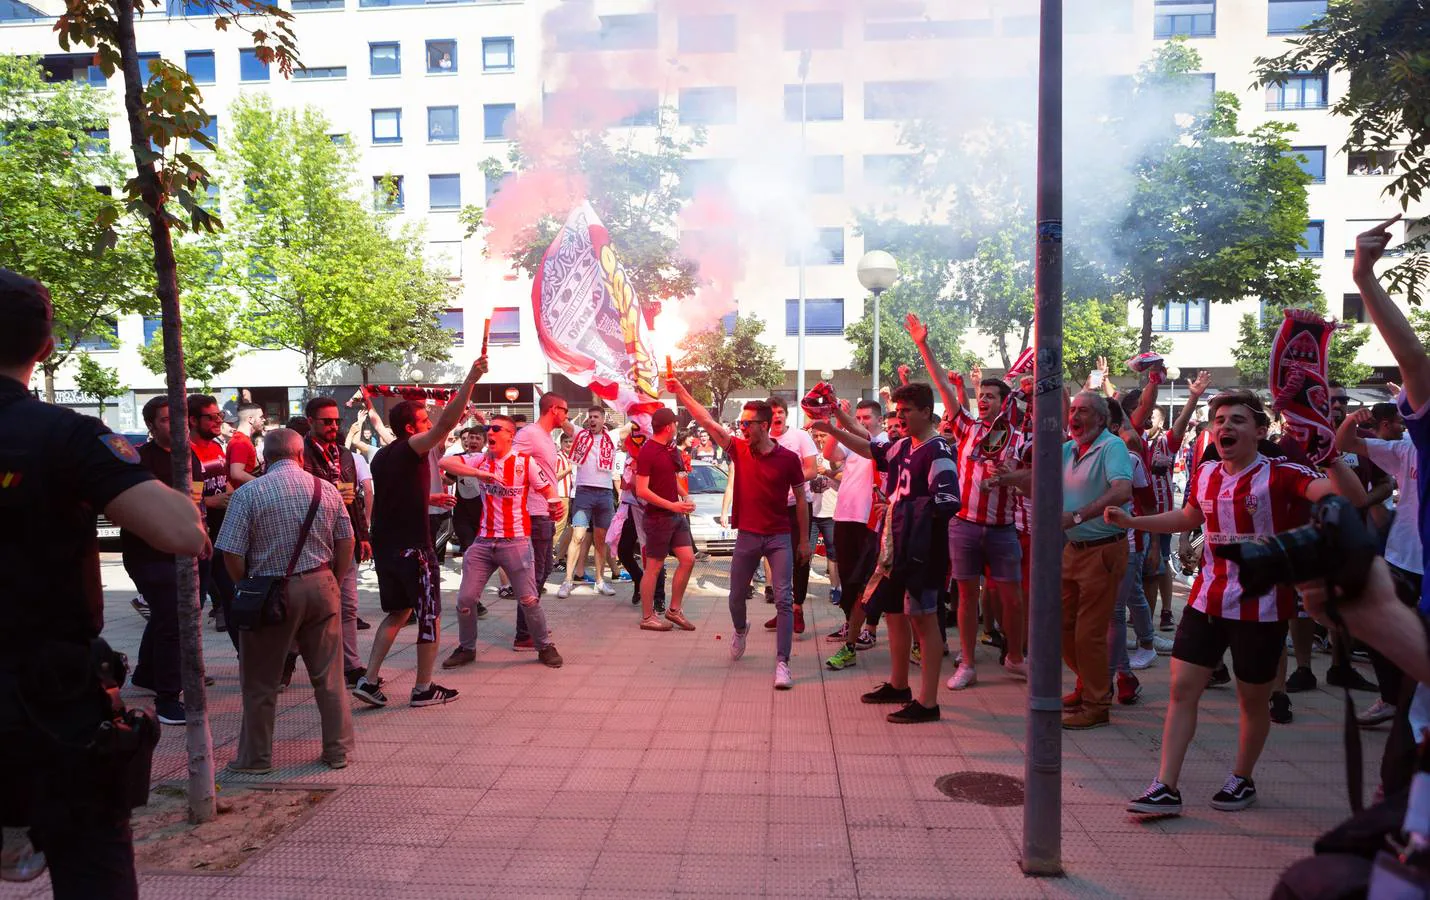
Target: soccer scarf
x,y
1299,381
581,448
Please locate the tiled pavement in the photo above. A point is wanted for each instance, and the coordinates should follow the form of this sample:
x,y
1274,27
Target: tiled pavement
x,y
651,766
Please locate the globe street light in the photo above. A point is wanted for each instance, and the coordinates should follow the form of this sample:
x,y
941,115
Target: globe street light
x,y
877,273
1173,373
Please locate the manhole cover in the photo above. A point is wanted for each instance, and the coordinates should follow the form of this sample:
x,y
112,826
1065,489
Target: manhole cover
x,y
983,788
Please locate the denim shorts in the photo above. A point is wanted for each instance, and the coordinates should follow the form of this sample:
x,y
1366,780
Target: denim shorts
x,y
593,507
972,548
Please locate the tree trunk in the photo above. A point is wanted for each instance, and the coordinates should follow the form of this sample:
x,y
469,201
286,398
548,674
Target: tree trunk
x,y
49,385
1003,350
310,372
1148,305
198,740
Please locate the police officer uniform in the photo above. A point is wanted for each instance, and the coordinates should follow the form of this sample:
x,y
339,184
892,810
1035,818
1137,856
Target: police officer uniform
x,y
61,771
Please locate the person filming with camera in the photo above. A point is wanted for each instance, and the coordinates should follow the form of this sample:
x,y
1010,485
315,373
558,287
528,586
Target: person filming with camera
x,y
1239,498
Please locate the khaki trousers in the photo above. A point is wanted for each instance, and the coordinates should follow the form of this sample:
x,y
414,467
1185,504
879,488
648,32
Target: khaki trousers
x,y
1091,576
313,626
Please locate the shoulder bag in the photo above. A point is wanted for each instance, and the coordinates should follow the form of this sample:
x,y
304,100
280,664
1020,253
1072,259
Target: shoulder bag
x,y
259,600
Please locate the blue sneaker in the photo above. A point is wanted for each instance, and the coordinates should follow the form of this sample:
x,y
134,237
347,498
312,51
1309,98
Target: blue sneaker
x,y
835,596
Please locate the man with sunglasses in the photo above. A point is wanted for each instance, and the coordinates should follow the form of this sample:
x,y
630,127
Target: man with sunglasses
x,y
538,441
764,474
210,469
325,457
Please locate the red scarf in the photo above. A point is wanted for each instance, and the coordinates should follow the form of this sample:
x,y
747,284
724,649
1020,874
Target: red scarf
x,y
581,448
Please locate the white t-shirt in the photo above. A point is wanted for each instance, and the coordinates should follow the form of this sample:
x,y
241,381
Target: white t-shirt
x,y
537,441
590,472
802,445
856,490
364,471
1402,545
825,501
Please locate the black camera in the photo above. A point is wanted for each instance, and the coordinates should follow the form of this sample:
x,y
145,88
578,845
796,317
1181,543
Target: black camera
x,y
1336,545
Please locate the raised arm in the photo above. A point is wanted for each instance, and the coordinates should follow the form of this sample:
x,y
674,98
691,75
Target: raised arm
x,y
920,334
1348,439
1409,353
847,421
451,414
1195,390
699,413
855,443
379,428
1145,404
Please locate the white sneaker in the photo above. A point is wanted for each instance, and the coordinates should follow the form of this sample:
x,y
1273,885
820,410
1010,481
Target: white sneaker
x,y
737,643
1378,712
1161,645
783,679
963,677
564,591
605,589
1142,657
1016,669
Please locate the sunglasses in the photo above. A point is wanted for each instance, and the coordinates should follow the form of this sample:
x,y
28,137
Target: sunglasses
x,y
1345,400
328,421
637,439
746,423
496,428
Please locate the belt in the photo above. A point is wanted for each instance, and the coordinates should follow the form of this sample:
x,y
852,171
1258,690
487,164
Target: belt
x,y
1083,545
328,567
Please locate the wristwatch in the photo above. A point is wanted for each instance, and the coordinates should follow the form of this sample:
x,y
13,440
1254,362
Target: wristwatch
x,y
1077,517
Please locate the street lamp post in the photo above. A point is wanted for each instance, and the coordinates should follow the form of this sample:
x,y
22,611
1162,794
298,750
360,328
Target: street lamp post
x,y
804,166
877,273
1173,373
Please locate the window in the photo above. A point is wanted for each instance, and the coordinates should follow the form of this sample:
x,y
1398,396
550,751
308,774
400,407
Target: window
x,y
826,175
814,30
452,320
444,191
506,325
1371,162
707,106
643,106
105,336
442,124
1352,308
896,99
1290,16
494,120
827,249
320,73
1201,91
1313,240
703,173
1181,315
1399,232
819,102
1184,18
190,8
820,317
1312,161
887,168
301,5
250,67
209,131
210,200
498,54
633,32
495,184
98,140
441,57
1303,91
153,329
384,59
924,29
387,126
200,66
387,193
727,321
144,60
447,256
706,34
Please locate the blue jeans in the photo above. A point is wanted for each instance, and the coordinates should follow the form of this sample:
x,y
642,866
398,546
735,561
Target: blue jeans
x,y
750,548
513,556
1130,598
158,667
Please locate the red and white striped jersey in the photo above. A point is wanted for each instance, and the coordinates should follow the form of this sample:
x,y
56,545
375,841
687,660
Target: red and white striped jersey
x,y
1137,541
979,461
504,504
1261,500
1162,459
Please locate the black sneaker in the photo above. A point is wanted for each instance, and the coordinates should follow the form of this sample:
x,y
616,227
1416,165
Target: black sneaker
x,y
769,594
1220,676
1280,708
887,693
506,593
1166,623
549,657
170,712
1348,677
913,712
362,624
1157,800
481,610
559,567
369,693
1237,794
1303,679
290,665
659,604
141,606
434,695
839,636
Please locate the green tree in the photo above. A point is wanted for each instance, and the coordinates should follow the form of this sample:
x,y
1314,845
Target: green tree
x,y
161,110
997,283
1093,328
52,225
638,190
317,271
210,321
100,382
1255,335
1385,48
715,365
1215,213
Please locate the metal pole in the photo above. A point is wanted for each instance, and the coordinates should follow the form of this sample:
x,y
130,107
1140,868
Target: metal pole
x,y
1042,809
875,378
804,165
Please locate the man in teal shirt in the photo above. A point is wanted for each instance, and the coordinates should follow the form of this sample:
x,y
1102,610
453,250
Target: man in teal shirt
x,y
1097,473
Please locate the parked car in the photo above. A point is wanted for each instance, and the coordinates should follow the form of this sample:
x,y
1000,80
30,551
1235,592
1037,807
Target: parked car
x,y
109,532
707,489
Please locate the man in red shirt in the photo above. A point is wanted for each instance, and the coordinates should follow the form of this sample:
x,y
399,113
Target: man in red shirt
x,y
242,455
764,475
1239,497
667,522
211,471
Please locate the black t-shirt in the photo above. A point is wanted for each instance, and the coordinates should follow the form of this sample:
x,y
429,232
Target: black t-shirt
x,y
400,481
661,463
136,550
57,468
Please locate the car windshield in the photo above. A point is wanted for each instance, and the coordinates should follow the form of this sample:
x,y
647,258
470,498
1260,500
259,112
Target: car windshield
x,y
707,480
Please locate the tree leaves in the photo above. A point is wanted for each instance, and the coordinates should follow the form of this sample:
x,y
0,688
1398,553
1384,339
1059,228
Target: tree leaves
x,y
720,365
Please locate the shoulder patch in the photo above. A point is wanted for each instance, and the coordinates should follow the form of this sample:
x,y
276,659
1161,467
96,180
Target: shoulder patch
x,y
119,445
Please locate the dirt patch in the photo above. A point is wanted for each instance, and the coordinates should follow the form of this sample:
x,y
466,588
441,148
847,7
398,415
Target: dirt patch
x,y
248,819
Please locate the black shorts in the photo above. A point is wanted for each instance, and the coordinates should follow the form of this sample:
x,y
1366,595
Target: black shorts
x,y
664,533
1256,647
411,579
